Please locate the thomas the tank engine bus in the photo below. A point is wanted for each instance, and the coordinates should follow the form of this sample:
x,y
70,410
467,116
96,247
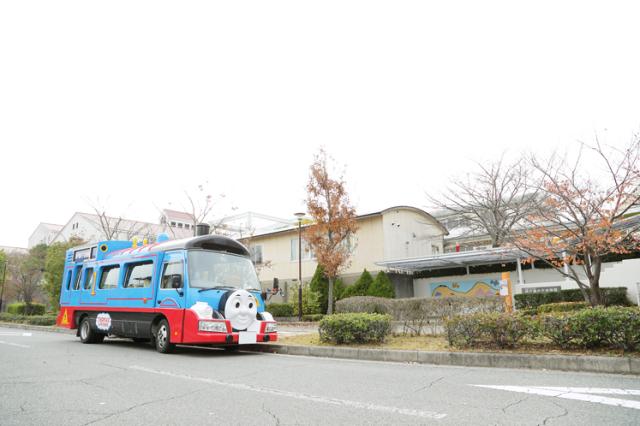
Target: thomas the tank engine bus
x,y
201,290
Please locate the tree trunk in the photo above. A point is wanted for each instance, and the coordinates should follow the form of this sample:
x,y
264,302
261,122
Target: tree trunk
x,y
595,297
330,297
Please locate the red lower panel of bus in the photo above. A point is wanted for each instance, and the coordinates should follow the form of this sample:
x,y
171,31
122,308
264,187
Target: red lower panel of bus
x,y
183,324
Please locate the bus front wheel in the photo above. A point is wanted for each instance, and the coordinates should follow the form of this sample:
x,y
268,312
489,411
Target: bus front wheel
x,y
163,333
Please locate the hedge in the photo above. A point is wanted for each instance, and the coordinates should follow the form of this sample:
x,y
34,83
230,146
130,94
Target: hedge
x,y
611,327
21,308
420,315
280,309
28,319
354,328
613,296
561,307
312,317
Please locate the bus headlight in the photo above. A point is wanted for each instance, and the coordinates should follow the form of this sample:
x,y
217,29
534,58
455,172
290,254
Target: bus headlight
x,y
271,327
212,326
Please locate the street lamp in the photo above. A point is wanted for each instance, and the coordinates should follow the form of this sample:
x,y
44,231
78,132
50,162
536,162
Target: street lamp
x,y
4,276
299,216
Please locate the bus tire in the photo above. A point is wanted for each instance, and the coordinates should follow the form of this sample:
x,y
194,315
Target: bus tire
x,y
232,348
163,334
86,333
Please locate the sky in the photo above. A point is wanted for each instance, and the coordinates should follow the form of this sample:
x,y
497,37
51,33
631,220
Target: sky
x,y
129,104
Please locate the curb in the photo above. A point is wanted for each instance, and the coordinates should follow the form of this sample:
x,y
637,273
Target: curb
x,y
47,328
583,364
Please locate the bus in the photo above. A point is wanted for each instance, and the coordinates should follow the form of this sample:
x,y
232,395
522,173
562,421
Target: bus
x,y
201,290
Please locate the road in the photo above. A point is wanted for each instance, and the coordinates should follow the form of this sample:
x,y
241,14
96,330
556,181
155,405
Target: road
x,y
51,378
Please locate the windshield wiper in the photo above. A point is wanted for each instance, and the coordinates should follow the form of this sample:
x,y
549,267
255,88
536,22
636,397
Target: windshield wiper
x,y
218,287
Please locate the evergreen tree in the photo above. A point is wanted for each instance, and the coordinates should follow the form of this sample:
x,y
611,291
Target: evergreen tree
x,y
360,287
381,286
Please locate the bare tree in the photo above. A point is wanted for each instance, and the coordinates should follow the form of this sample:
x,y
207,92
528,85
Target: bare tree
x,y
25,272
581,218
492,200
111,227
334,221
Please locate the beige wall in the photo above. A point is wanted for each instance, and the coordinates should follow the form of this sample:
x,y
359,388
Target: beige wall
x,y
407,233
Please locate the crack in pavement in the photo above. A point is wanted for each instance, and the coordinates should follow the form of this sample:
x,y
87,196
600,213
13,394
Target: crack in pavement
x,y
266,410
428,386
504,409
565,413
154,401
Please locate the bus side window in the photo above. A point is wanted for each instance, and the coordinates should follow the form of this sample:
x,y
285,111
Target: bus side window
x,y
139,275
89,276
170,271
109,277
68,280
76,282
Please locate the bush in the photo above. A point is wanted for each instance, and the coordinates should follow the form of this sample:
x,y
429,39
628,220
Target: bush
x,y
28,319
280,309
310,304
312,318
360,287
21,308
381,286
558,328
561,307
500,329
354,328
320,285
612,296
594,326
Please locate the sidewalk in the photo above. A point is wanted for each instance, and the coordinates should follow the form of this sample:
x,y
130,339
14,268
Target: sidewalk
x,y
586,363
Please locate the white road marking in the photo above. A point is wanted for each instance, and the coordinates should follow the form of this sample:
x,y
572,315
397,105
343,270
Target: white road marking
x,y
16,334
14,344
295,395
577,394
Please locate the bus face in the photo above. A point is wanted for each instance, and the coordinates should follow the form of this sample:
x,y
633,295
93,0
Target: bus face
x,y
202,290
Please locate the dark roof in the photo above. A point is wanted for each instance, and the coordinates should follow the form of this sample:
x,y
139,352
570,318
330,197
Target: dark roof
x,y
205,242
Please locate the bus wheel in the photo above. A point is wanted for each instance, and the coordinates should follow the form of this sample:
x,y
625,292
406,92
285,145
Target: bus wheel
x,y
163,345
87,335
232,348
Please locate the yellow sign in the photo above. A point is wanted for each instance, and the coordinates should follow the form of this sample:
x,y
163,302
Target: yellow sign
x,y
65,318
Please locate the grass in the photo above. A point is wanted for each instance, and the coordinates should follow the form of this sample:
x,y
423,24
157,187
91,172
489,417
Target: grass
x,y
439,343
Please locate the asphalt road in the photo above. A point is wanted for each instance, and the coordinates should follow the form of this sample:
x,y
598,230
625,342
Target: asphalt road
x,y
51,378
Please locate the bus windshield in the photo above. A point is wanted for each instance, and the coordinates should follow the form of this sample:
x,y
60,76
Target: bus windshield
x,y
210,269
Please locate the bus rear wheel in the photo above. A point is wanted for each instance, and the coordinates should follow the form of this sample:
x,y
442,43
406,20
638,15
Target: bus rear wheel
x,y
87,335
163,333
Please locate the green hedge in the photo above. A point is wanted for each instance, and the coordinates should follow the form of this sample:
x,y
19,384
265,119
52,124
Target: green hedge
x,y
611,327
21,308
503,330
280,309
28,319
613,296
312,317
354,328
561,307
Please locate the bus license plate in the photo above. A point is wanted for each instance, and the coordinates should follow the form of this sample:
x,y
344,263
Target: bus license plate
x,y
247,337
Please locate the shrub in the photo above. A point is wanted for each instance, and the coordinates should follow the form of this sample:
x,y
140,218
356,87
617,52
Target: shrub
x,y
360,287
310,304
612,296
561,307
280,309
28,319
364,304
312,318
354,328
381,286
558,328
21,308
500,329
625,328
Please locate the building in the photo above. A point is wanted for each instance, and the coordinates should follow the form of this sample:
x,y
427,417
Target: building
x,y
394,233
11,249
44,233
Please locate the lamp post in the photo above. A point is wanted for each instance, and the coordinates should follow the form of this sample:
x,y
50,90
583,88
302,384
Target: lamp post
x,y
299,216
4,275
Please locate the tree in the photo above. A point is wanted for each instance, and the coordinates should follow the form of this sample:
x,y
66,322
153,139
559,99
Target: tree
x,y
25,271
54,268
382,286
361,286
581,218
112,228
333,221
492,200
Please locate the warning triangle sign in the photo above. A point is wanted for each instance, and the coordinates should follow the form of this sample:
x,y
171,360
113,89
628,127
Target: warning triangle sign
x,y
65,318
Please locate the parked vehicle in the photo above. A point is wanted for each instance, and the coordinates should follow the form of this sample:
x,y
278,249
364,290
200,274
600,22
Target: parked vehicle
x,y
201,290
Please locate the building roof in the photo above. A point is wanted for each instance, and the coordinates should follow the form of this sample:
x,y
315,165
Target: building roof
x,y
178,215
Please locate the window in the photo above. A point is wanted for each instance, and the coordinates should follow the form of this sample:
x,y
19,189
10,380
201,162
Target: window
x,y
307,252
179,225
256,254
89,278
68,280
170,271
139,275
76,282
109,276
173,224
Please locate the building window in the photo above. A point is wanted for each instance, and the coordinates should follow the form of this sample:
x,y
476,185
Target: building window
x,y
256,254
307,252
435,249
179,225
139,275
173,224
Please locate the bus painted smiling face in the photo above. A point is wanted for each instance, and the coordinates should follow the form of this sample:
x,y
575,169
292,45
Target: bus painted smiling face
x,y
240,309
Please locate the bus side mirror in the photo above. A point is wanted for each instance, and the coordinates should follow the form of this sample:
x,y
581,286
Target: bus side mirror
x,y
176,281
276,285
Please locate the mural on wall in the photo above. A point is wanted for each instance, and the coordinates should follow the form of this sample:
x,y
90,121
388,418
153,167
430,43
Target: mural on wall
x,y
473,288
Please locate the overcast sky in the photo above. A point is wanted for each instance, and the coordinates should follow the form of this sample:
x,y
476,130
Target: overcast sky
x,y
134,102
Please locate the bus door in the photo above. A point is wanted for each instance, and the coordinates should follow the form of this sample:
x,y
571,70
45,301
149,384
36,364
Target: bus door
x,y
67,286
171,283
138,291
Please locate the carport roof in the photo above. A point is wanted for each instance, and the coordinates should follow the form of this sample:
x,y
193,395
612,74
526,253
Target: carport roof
x,y
455,260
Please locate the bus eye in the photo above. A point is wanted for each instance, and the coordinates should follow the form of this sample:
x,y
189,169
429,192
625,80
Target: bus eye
x,y
237,304
250,305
